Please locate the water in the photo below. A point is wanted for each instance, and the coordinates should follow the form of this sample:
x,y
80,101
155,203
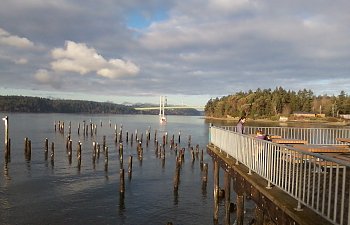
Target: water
x,y
43,192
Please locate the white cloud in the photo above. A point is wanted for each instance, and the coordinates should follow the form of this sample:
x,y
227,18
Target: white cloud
x,y
21,61
42,76
12,40
45,77
79,58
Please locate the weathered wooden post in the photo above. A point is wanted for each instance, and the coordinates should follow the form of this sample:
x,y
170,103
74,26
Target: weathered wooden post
x,y
79,153
104,142
127,136
155,135
26,145
70,150
192,154
216,190
46,144
201,160
6,120
205,173
121,136
240,208
130,166
122,181
52,151
121,154
29,150
106,159
227,185
177,176
179,139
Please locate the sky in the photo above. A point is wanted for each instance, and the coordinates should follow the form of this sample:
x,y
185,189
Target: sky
x,y
188,50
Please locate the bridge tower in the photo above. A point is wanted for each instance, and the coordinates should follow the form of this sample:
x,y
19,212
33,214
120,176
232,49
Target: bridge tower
x,y
162,103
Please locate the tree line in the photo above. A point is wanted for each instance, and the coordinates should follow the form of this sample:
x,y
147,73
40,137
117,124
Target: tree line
x,y
269,103
44,105
26,104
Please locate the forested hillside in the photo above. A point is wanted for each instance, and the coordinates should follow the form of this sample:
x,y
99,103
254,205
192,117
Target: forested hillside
x,y
268,103
43,105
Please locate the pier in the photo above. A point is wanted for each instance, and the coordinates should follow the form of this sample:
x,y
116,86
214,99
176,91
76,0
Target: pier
x,y
301,178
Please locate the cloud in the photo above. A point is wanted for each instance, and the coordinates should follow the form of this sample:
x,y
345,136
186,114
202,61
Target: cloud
x,y
44,77
12,40
79,58
21,61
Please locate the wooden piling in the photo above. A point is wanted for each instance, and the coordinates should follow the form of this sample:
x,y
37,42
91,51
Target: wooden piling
x,y
121,153
205,172
201,160
79,152
130,166
26,145
52,156
227,186
240,209
8,152
106,159
46,145
216,190
121,136
104,142
122,181
177,176
192,154
6,120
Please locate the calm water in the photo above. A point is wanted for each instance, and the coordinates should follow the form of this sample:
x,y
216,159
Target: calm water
x,y
41,192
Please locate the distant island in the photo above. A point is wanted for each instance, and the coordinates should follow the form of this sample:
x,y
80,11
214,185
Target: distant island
x,y
27,104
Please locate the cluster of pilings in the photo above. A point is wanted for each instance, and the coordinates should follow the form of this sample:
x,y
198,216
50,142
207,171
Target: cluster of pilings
x,y
119,138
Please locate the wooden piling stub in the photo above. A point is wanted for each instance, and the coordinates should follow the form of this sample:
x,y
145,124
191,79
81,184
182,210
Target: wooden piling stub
x,y
46,144
205,172
130,166
177,176
122,181
52,151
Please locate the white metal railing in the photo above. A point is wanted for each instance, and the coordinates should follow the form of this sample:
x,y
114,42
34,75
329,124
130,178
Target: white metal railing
x,y
321,136
314,180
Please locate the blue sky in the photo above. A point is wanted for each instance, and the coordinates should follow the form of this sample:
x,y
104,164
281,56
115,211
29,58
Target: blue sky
x,y
191,51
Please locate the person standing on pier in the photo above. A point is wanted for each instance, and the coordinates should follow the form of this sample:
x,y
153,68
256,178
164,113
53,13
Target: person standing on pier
x,y
240,125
